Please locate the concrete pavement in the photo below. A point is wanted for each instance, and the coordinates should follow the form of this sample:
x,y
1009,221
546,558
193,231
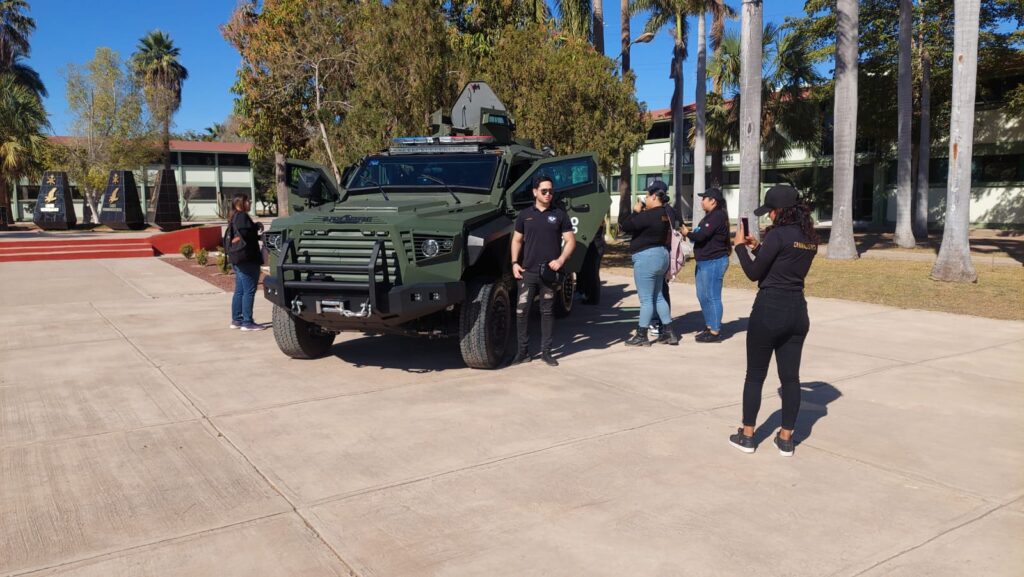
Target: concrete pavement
x,y
140,436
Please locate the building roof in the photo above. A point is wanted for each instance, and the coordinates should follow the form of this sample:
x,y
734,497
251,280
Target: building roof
x,y
184,145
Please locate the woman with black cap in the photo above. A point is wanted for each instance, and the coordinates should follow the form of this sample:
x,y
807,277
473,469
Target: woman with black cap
x,y
778,323
711,250
650,224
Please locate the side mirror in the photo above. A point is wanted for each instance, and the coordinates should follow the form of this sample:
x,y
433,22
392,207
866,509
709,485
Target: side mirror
x,y
309,184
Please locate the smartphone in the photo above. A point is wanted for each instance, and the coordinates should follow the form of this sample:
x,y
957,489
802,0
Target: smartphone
x,y
746,226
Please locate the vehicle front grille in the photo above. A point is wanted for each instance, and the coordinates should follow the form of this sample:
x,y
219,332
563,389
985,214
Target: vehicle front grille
x,y
346,247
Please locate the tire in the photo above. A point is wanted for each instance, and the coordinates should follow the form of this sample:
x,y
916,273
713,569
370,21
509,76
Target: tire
x,y
299,339
485,323
589,284
565,296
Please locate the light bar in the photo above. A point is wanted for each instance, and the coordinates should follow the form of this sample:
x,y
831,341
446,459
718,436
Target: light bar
x,y
418,140
434,149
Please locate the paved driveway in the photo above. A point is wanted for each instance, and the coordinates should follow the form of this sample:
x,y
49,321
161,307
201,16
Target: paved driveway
x,y
140,436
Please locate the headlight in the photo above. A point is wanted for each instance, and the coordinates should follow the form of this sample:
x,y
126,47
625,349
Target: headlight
x,y
273,240
431,248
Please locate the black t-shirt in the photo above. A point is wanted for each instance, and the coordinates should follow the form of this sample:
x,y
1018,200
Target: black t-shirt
x,y
783,259
711,236
247,229
542,235
649,228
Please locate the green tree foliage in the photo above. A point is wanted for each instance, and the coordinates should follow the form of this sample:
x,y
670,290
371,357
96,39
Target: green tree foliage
x,y
109,131
157,69
22,116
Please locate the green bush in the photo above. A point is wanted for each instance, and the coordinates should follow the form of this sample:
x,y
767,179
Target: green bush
x,y
202,256
187,250
223,264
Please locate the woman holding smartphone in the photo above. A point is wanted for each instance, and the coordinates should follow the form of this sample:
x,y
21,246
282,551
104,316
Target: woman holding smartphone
x,y
778,323
711,250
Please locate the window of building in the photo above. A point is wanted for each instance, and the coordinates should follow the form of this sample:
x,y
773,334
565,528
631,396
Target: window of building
x,y
233,159
660,130
197,159
28,192
228,192
192,192
1000,168
731,178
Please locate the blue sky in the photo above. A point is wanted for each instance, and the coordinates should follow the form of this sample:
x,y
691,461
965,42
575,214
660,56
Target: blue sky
x,y
69,31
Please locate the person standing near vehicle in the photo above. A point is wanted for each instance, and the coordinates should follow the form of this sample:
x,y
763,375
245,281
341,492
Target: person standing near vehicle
x,y
541,244
243,252
711,250
778,323
650,223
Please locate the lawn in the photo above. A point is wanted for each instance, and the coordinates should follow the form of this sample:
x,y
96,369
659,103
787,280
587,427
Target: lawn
x,y
998,294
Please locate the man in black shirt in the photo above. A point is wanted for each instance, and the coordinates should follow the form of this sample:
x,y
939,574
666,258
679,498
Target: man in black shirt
x,y
542,242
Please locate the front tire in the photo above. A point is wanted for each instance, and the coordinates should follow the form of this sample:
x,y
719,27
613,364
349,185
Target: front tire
x,y
299,339
485,323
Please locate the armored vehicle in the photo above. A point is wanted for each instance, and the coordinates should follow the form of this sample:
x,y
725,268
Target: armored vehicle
x,y
415,239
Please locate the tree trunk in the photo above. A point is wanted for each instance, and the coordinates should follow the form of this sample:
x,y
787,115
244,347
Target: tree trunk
x,y
924,146
904,192
91,198
280,184
682,203
954,262
700,144
598,30
626,166
717,167
167,143
841,244
750,112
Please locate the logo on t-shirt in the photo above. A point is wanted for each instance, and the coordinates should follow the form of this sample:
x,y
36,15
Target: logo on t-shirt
x,y
552,219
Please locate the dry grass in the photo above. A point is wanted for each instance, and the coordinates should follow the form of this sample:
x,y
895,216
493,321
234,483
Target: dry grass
x,y
998,294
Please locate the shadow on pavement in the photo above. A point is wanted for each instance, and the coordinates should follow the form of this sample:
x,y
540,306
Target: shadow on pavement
x,y
814,400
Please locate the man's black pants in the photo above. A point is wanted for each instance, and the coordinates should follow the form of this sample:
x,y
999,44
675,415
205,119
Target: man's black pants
x,y
779,325
529,286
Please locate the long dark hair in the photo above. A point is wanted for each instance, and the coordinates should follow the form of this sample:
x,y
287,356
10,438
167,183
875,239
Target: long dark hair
x,y
236,205
800,215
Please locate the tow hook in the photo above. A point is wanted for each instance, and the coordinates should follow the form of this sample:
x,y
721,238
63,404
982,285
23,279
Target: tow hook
x,y
297,306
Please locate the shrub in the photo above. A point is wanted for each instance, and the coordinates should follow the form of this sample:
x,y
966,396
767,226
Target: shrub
x,y
187,250
223,264
202,256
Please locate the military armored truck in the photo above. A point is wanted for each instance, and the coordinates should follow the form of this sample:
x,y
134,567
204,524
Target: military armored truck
x,y
415,239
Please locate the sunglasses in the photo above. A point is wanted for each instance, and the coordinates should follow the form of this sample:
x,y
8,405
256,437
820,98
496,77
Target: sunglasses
x,y
545,191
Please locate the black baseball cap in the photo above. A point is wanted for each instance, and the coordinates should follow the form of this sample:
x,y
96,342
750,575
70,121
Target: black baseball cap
x,y
712,193
657,186
778,196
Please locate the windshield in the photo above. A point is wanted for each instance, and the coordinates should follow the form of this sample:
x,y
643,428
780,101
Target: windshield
x,y
423,171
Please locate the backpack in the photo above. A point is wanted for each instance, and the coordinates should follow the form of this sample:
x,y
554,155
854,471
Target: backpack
x,y
679,249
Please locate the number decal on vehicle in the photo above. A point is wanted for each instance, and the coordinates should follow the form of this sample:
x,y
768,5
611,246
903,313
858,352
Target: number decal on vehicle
x,y
575,224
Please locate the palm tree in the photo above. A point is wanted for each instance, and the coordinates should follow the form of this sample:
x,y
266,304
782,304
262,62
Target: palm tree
x,y
920,224
719,9
904,194
15,29
22,121
598,35
751,51
161,74
660,14
575,18
841,244
954,261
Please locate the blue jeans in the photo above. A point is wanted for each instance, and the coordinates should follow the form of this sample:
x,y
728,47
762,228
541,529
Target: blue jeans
x,y
709,290
649,267
247,276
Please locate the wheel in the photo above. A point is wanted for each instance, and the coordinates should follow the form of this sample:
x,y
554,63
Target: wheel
x,y
589,284
299,339
565,296
485,323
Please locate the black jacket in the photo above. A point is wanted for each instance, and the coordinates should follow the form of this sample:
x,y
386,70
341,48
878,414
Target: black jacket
x,y
242,225
649,228
783,259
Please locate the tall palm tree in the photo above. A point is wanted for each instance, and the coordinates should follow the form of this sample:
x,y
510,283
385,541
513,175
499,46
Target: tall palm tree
x,y
673,13
626,164
904,194
598,33
16,27
22,122
718,9
161,75
841,244
575,18
954,261
751,51
924,146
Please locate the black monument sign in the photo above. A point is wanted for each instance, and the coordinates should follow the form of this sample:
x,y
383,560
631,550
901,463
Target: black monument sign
x,y
55,209
120,208
164,210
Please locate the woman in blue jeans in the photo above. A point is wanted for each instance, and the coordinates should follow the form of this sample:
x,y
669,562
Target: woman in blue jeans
x,y
243,248
650,224
711,249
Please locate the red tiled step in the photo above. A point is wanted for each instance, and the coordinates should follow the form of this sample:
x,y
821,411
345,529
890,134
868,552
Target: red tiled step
x,y
76,242
81,254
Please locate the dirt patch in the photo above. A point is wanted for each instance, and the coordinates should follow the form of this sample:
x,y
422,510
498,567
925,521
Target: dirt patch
x,y
209,273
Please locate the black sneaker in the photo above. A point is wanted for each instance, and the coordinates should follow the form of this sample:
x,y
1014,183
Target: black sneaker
x,y
743,442
708,337
785,447
547,358
668,337
520,358
639,339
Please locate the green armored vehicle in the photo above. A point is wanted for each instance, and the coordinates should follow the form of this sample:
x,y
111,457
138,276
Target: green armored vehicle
x,y
415,239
